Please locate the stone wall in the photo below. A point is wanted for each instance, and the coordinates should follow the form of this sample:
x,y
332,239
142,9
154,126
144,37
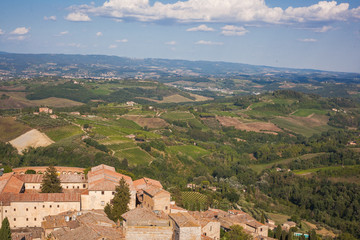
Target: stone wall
x,y
31,214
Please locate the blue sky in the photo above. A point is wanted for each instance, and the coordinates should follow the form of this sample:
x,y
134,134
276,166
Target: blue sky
x,y
285,33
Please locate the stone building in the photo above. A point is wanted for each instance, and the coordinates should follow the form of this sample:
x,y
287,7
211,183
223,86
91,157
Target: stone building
x,y
156,199
185,227
145,224
102,182
24,205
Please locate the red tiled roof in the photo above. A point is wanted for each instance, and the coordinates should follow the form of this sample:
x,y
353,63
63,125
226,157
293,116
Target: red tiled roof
x,y
10,184
104,178
154,191
143,182
7,198
183,219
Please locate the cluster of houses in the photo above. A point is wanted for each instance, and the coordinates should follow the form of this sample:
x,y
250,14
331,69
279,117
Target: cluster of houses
x,y
77,212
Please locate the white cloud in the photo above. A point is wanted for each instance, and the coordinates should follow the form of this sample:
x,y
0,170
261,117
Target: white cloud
x,y
20,31
323,29
113,46
225,11
322,11
64,33
1,32
171,43
52,18
99,34
203,42
201,28
231,30
19,38
78,17
122,40
308,40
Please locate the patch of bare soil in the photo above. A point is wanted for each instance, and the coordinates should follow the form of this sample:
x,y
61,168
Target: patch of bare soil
x,y
32,138
265,127
148,122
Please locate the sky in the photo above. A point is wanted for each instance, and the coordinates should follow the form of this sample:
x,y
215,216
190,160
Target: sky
x,y
311,34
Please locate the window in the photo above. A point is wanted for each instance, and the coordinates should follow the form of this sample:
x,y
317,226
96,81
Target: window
x,y
50,206
27,209
78,187
73,186
113,193
6,211
33,186
102,192
34,207
102,203
67,186
43,206
58,206
84,186
166,208
27,219
34,219
14,219
14,209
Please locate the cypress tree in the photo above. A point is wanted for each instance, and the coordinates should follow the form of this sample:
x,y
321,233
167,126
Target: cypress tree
x,y
278,232
51,182
5,231
119,204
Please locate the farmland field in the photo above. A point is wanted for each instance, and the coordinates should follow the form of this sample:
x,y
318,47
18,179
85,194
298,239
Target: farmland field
x,y
10,129
135,156
306,126
190,150
260,167
308,112
59,133
148,122
173,116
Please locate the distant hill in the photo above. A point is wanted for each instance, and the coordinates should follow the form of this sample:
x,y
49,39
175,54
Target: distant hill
x,y
12,64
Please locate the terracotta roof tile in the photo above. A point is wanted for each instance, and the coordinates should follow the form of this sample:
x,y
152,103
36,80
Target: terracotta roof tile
x,y
154,191
10,184
7,198
143,182
183,219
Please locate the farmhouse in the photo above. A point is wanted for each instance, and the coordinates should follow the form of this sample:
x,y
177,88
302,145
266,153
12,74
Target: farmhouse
x,y
45,110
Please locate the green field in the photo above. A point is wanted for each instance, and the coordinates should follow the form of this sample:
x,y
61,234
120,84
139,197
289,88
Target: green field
x,y
308,112
135,156
127,123
306,131
173,116
314,170
10,129
192,151
59,133
121,146
191,199
260,167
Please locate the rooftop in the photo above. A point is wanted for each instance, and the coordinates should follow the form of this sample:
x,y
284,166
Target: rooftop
x,y
184,219
7,198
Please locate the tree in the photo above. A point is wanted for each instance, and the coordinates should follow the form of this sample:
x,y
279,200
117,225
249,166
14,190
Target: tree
x,y
5,231
30,171
278,232
51,182
237,233
120,203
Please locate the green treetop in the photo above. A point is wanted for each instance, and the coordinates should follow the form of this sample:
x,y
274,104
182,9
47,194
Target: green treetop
x,y
5,232
119,204
51,182
237,233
